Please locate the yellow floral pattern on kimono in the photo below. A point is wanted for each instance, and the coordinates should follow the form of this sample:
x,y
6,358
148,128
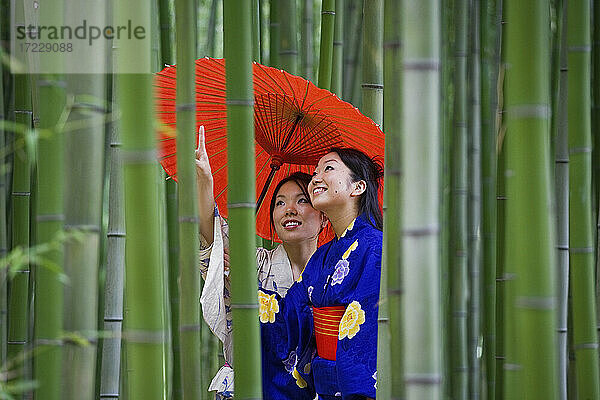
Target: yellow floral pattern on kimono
x,y
349,228
268,307
353,318
299,380
352,247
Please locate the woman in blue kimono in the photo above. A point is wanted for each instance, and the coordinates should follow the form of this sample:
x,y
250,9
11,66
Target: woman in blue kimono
x,y
341,281
298,225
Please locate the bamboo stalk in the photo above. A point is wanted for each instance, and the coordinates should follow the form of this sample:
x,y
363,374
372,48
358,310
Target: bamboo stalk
x,y
580,198
326,46
338,49
372,65
84,158
189,279
352,35
211,31
48,292
474,203
18,290
3,227
256,31
420,210
530,228
596,104
288,39
144,320
390,365
306,40
561,179
274,33
241,198
167,31
115,266
489,75
458,274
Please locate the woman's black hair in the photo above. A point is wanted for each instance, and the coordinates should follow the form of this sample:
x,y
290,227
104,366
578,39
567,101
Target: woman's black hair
x,y
369,170
301,179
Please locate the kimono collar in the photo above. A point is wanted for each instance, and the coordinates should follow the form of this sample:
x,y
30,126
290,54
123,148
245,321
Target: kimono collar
x,y
356,225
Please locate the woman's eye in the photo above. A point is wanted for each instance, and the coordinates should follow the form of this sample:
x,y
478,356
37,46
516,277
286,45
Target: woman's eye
x,y
329,167
302,200
279,203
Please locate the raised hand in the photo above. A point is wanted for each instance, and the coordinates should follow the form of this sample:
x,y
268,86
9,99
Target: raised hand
x,y
203,170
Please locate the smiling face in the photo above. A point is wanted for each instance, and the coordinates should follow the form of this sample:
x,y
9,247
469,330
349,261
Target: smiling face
x,y
331,186
294,218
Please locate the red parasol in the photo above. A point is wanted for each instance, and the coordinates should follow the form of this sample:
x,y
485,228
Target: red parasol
x,y
295,124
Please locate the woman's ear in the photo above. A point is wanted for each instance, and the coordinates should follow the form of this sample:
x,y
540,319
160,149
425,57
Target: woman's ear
x,y
359,188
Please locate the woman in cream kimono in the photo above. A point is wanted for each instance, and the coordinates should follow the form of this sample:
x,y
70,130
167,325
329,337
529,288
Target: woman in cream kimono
x,y
298,225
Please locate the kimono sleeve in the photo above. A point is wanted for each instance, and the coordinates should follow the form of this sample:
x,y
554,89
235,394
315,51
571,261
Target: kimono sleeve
x,y
356,355
298,315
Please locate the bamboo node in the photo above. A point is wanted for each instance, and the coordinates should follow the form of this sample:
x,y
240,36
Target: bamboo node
x,y
512,367
536,302
581,250
245,306
529,111
584,346
185,107
240,102
241,205
141,336
423,379
190,328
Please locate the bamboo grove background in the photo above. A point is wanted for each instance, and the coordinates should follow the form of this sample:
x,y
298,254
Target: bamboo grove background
x,y
490,286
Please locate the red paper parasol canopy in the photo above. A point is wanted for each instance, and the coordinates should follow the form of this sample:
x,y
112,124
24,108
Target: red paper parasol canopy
x,y
295,123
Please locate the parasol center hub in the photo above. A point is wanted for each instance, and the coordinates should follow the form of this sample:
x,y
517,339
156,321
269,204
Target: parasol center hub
x,y
276,162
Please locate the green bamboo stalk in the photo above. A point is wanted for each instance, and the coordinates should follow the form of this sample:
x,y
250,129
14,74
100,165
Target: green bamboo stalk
x,y
474,203
241,197
211,31
167,32
173,282
48,293
306,40
3,227
256,31
458,274
502,323
530,227
585,337
338,49
352,35
390,364
447,85
372,107
84,161
274,33
189,279
326,46
372,65
561,182
489,75
596,105
288,39
420,211
115,266
144,320
18,290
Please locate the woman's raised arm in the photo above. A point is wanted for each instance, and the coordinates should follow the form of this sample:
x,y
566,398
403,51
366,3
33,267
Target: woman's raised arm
x,y
204,179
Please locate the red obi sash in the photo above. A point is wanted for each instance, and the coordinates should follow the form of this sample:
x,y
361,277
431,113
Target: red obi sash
x,y
327,324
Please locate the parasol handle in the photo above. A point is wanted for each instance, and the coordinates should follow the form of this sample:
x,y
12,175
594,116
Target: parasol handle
x,y
274,168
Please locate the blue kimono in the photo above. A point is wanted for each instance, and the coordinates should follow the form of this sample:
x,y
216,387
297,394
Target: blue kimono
x,y
279,380
343,272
